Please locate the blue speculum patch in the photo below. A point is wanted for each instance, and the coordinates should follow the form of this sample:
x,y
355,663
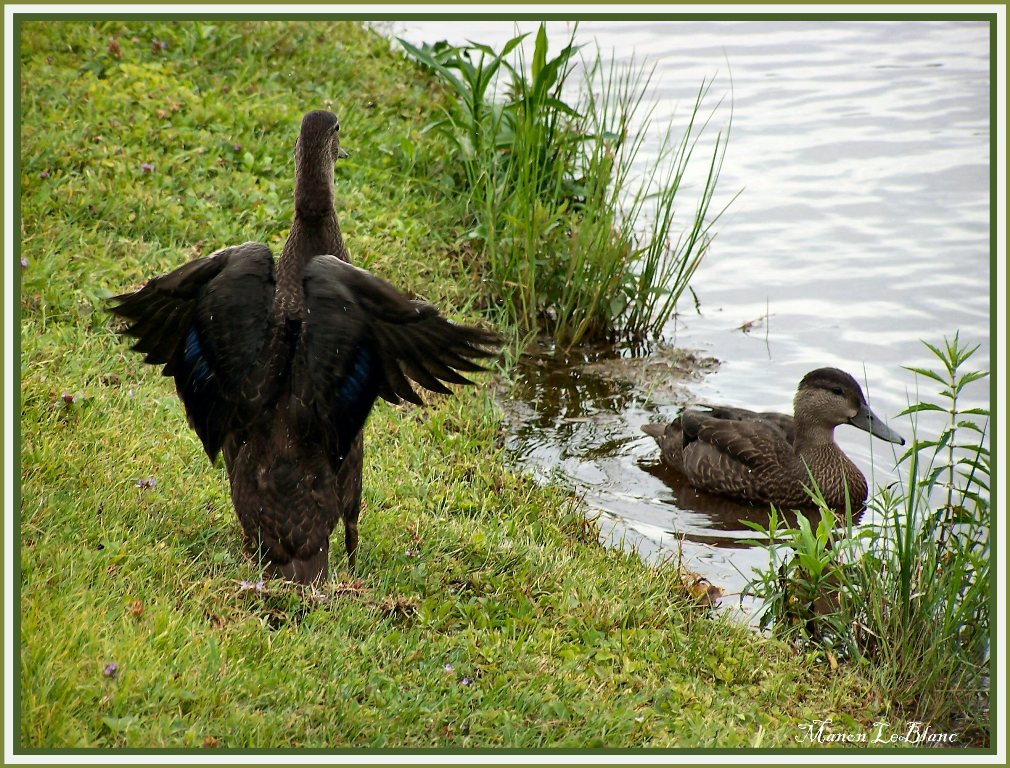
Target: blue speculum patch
x,y
193,355
354,384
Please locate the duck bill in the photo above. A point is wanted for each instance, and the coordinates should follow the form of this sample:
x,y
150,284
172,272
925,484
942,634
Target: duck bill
x,y
867,420
342,154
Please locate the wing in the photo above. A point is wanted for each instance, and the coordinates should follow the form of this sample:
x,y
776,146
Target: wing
x,y
780,421
749,460
364,339
206,323
757,444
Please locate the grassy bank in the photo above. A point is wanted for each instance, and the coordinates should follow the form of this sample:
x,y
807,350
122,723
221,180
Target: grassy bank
x,y
484,613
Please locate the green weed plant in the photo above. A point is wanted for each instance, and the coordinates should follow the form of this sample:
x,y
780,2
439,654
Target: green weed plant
x,y
906,595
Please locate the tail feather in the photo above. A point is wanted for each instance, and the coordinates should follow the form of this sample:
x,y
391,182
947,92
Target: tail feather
x,y
654,430
309,571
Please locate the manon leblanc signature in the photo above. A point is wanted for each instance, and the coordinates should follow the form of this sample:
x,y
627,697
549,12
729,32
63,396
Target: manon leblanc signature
x,y
882,732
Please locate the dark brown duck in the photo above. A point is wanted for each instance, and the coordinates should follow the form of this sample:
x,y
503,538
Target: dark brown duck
x,y
278,369
770,457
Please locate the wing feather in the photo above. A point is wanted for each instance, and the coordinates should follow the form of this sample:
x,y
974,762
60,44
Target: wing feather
x,y
206,323
756,444
363,339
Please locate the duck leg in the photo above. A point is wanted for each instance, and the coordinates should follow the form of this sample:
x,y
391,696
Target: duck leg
x,y
349,488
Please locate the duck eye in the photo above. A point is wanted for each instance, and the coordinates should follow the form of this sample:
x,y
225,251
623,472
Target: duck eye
x,y
838,391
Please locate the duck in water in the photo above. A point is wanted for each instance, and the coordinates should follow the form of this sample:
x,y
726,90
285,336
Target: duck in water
x,y
773,457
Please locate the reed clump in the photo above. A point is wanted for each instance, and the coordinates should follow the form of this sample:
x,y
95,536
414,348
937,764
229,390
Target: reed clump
x,y
555,210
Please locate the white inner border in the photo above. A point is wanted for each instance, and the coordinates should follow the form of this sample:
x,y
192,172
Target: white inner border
x,y
208,756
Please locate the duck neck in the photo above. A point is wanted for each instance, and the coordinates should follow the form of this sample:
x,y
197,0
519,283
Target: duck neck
x,y
308,238
810,436
315,230
312,236
812,431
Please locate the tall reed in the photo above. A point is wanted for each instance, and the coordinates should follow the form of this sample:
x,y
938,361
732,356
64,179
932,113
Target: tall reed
x,y
556,209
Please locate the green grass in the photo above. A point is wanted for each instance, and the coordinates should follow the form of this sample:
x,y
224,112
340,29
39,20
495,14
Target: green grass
x,y
552,639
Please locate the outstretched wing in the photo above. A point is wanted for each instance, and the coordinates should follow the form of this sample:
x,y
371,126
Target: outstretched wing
x,y
364,339
206,323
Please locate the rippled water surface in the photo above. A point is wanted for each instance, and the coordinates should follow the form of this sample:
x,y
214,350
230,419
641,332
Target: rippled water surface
x,y
861,154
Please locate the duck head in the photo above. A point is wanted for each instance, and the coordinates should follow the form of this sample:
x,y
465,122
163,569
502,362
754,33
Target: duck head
x,y
828,397
316,151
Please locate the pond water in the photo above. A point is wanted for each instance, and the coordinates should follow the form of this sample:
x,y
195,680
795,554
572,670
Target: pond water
x,y
861,154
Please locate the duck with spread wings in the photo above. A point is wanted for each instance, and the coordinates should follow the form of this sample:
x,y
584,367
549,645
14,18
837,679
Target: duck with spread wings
x,y
279,366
